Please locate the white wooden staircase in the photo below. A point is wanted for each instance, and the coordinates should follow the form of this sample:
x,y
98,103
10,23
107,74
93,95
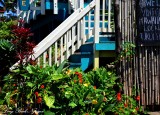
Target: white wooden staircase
x,y
79,38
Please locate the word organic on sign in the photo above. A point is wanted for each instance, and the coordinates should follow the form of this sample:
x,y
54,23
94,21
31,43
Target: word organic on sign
x,y
149,20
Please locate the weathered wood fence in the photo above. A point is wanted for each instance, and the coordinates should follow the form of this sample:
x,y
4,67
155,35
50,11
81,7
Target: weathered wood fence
x,y
143,72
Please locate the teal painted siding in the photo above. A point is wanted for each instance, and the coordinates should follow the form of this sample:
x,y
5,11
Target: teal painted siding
x,y
110,45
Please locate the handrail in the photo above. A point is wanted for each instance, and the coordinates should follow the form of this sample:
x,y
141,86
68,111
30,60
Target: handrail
x,y
71,34
67,33
63,28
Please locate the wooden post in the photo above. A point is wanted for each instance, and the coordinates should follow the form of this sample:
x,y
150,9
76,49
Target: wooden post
x,y
96,34
117,31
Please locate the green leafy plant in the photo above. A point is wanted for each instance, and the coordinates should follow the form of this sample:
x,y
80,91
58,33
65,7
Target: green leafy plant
x,y
127,52
59,90
7,50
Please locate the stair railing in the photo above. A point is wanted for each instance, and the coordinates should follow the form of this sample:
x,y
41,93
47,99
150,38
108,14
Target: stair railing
x,y
65,39
106,10
68,36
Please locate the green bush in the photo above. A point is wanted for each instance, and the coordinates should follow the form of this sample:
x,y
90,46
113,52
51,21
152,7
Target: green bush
x,y
59,90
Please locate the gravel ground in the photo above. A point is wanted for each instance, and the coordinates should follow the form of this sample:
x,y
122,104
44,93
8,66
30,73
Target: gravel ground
x,y
154,113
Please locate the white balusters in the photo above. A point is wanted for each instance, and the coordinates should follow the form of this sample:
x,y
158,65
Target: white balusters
x,y
69,7
73,40
89,23
62,50
78,34
55,52
96,22
44,59
67,45
55,7
28,16
50,56
83,30
109,15
103,15
66,38
81,5
38,61
96,33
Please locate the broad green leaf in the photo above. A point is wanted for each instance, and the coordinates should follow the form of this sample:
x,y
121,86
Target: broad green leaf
x,y
48,113
26,75
63,86
16,70
7,97
49,100
81,102
57,76
29,69
61,67
68,94
29,94
100,101
72,104
30,84
1,101
108,107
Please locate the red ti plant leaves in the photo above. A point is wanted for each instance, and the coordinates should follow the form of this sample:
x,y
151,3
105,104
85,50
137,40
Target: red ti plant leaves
x,y
23,45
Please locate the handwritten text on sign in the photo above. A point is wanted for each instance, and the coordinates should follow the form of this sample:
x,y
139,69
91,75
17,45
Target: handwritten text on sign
x,y
149,20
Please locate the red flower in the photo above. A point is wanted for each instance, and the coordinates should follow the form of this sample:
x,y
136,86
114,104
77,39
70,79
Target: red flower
x,y
86,114
95,87
14,84
39,100
80,81
125,105
75,81
36,93
118,96
76,73
79,77
137,108
138,98
42,86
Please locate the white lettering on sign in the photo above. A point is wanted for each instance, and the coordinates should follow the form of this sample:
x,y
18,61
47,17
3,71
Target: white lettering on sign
x,y
149,20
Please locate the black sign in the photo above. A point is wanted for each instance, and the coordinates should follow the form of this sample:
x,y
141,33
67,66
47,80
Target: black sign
x,y
148,15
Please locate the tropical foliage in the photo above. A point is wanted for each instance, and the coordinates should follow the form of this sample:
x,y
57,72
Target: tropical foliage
x,y
59,90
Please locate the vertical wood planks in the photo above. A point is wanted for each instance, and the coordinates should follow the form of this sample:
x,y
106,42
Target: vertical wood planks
x,y
143,71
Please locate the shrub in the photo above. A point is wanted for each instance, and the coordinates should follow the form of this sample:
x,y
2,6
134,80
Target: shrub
x,y
59,90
